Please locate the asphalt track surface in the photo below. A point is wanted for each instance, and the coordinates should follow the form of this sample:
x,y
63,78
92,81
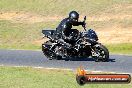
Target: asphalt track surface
x,y
117,63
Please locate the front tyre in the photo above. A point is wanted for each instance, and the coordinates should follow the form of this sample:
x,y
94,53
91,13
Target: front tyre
x,y
102,53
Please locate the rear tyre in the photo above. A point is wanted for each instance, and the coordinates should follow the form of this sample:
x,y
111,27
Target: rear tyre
x,y
48,53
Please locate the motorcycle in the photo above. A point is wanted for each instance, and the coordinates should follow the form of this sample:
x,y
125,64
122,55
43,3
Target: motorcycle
x,y
83,44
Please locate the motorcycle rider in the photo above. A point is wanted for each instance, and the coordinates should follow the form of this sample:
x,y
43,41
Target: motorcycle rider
x,y
65,27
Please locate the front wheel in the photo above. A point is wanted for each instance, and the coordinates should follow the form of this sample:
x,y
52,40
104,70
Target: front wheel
x,y
100,53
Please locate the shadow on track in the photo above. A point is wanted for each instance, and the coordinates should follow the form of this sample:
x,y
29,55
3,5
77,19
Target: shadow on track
x,y
85,59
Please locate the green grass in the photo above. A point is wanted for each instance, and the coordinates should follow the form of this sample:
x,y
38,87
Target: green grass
x,y
57,7
26,77
15,35
124,48
20,35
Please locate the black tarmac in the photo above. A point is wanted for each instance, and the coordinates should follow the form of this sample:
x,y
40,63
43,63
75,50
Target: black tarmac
x,y
117,63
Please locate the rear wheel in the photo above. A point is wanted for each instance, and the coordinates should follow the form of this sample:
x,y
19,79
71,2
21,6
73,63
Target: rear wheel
x,y
49,53
102,53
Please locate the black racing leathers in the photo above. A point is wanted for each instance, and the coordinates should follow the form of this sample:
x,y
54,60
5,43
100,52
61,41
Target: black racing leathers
x,y
65,27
